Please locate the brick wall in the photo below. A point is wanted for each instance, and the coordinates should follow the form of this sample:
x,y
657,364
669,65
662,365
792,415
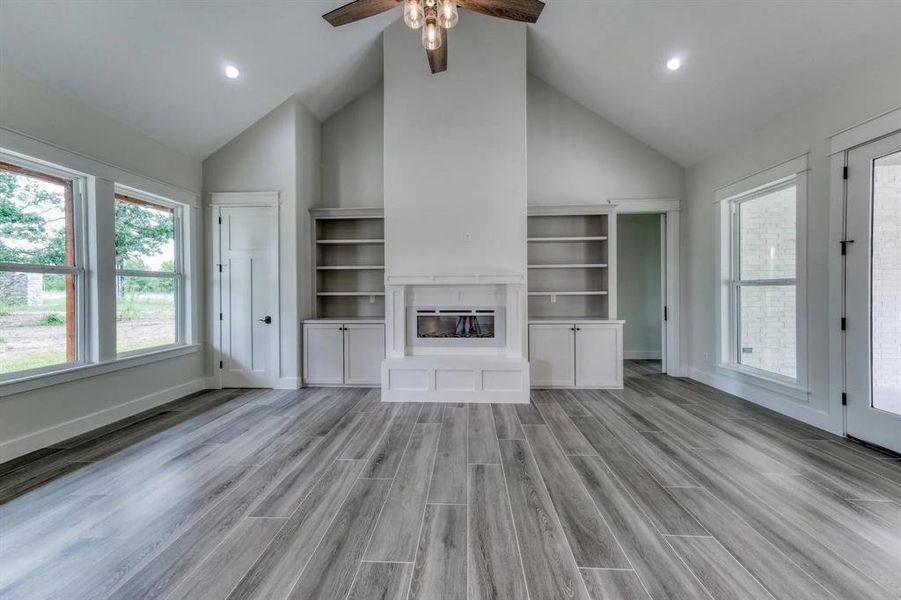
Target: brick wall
x,y
768,251
887,287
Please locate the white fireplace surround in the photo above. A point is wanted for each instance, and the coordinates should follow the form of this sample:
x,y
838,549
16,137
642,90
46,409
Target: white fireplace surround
x,y
453,372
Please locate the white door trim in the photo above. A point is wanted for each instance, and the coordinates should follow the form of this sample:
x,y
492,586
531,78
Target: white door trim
x,y
841,143
241,199
671,294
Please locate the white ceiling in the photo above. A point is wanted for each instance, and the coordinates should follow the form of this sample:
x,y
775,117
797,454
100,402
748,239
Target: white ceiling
x,y
156,65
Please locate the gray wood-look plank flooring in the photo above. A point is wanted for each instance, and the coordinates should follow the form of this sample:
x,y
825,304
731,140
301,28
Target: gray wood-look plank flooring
x,y
666,489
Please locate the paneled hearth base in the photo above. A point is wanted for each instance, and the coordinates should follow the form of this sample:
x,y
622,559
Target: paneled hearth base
x,y
455,379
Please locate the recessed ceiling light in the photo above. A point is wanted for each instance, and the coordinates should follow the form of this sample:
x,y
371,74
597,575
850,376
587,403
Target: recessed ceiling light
x,y
673,64
231,71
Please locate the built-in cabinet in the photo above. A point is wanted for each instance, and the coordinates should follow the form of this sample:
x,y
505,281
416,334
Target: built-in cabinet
x,y
343,352
345,343
587,353
574,339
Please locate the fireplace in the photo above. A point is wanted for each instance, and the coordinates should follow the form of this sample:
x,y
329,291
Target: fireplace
x,y
455,327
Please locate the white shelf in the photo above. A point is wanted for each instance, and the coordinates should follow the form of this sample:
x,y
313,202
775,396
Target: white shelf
x,y
568,293
571,266
350,294
584,238
352,241
351,268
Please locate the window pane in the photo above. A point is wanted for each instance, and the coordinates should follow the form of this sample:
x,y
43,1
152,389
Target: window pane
x,y
886,336
35,218
767,233
37,321
767,328
145,235
145,312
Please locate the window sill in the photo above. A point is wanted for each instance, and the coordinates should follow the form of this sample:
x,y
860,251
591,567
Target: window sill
x,y
67,374
773,384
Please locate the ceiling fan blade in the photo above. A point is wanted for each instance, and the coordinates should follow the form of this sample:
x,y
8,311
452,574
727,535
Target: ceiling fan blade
x,y
527,11
358,9
438,58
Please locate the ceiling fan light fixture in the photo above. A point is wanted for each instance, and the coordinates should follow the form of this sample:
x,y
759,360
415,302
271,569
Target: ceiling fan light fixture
x,y
447,13
414,15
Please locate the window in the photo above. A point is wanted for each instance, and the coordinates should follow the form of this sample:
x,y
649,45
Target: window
x,y
762,291
765,280
149,274
41,270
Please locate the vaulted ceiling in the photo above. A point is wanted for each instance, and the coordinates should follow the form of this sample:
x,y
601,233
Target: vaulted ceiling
x,y
157,65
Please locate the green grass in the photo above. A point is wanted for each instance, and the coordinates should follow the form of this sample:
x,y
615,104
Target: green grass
x,y
21,361
59,305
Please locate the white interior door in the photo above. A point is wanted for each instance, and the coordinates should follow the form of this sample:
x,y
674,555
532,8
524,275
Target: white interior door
x,y
873,293
552,360
248,292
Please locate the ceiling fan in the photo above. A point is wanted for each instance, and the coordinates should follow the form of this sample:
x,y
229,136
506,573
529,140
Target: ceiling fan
x,y
435,17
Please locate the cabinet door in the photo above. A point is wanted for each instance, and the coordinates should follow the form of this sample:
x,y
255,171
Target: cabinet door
x,y
323,353
599,355
551,354
364,349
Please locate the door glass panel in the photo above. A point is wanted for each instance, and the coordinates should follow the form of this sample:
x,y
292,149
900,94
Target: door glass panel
x,y
886,282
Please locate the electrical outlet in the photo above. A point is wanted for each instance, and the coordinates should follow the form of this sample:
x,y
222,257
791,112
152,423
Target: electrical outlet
x,y
467,237
706,357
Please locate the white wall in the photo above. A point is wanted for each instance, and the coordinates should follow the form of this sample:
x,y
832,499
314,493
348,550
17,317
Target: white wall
x,y
577,157
38,111
271,155
309,192
353,141
638,285
43,123
574,155
455,151
803,129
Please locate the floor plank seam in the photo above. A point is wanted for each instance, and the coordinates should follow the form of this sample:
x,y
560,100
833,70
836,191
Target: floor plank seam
x,y
426,507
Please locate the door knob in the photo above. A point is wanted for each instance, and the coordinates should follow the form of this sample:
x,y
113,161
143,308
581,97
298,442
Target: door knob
x,y
267,320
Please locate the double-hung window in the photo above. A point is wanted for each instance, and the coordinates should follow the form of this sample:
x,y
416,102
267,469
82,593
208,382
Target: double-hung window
x,y
42,303
762,261
150,280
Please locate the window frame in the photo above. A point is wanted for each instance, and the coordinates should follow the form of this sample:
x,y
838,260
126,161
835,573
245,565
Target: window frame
x,y
179,274
79,269
729,198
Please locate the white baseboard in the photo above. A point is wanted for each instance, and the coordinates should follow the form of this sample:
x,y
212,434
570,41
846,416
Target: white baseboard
x,y
212,383
771,400
642,354
288,383
57,433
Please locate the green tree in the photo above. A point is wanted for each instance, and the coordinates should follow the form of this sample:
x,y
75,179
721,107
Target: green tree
x,y
141,231
32,221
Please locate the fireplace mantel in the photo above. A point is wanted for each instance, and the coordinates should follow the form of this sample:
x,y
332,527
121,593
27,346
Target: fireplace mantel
x,y
455,279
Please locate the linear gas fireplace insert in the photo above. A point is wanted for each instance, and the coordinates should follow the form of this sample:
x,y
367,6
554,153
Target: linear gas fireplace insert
x,y
458,327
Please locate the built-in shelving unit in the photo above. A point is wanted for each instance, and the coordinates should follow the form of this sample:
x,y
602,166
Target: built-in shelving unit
x,y
572,262
349,262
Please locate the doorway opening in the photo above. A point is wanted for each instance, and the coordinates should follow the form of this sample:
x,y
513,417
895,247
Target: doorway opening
x,y
641,290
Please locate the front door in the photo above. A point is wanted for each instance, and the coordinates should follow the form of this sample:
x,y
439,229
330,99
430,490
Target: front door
x,y
248,289
873,293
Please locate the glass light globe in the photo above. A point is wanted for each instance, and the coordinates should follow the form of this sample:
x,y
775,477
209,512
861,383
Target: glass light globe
x,y
414,15
447,13
431,35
